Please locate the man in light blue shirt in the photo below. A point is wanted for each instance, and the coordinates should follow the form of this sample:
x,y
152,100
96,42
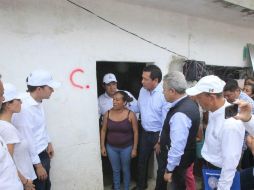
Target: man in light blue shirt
x,y
178,136
153,109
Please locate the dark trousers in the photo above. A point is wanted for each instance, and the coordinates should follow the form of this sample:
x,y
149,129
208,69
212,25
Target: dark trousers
x,y
178,175
45,161
247,179
148,141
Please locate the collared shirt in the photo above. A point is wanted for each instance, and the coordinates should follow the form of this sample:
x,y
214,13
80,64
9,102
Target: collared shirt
x,y
30,122
106,103
249,126
223,145
180,125
153,108
246,98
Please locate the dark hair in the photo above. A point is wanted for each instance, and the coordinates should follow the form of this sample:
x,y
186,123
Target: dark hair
x,y
252,87
249,78
155,72
126,97
4,105
231,85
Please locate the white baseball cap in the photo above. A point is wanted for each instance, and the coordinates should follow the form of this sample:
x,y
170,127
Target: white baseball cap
x,y
210,84
10,93
108,78
41,78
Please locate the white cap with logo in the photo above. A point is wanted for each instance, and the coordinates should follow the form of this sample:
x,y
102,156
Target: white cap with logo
x,y
209,84
41,78
108,78
10,93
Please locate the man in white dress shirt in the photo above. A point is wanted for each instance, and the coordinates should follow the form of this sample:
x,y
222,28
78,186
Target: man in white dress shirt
x,y
32,124
224,137
106,99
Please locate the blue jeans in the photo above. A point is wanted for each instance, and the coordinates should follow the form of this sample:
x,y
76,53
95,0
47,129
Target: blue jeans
x,y
120,159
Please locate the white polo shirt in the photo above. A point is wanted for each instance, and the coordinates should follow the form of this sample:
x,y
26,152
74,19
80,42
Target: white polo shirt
x,y
31,123
9,179
21,155
223,145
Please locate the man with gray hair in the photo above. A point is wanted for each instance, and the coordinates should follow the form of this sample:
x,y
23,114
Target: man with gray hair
x,y
178,136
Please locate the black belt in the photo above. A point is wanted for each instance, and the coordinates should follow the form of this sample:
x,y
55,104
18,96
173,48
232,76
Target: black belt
x,y
151,132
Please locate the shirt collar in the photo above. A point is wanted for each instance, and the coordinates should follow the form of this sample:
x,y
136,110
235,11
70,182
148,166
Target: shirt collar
x,y
31,101
178,100
158,88
221,110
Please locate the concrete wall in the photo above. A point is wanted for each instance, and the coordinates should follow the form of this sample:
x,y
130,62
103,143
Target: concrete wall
x,y
57,36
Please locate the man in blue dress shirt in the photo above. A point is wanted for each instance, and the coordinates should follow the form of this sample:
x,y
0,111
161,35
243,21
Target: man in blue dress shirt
x,y
153,109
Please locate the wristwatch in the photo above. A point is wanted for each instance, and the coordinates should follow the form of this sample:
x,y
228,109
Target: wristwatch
x,y
168,172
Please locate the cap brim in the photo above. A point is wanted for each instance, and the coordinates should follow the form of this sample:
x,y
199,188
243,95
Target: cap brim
x,y
110,81
54,84
193,91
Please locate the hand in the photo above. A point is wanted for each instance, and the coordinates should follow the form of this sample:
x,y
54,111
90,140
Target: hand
x,y
50,150
245,110
157,148
29,185
250,143
103,151
134,153
41,172
168,177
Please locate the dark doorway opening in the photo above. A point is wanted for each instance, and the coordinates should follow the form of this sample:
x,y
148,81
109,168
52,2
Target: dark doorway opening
x,y
129,76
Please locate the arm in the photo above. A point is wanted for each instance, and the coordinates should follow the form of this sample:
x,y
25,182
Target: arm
x,y
245,115
23,122
103,134
179,132
231,146
180,125
26,182
133,106
134,124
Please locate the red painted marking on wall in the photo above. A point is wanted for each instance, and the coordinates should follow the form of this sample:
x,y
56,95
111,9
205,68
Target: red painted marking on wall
x,y
73,82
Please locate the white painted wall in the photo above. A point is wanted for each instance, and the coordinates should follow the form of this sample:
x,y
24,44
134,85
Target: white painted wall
x,y
57,36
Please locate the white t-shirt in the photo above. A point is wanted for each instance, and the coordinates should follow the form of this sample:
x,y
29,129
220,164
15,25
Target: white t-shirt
x,y
21,154
9,179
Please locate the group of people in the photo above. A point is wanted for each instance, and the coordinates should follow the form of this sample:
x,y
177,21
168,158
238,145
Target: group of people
x,y
25,146
170,119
